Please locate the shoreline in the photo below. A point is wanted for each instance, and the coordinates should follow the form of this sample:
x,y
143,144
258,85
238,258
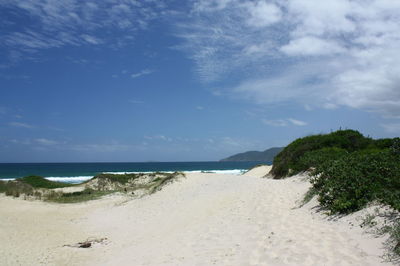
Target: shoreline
x,y
201,219
80,179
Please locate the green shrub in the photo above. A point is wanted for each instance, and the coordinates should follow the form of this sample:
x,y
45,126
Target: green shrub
x,y
287,162
312,159
16,188
349,183
119,178
3,186
78,196
41,182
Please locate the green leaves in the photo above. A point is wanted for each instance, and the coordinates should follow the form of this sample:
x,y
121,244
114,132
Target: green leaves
x,y
340,141
349,183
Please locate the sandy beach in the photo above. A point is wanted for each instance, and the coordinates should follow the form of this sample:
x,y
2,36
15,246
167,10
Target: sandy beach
x,y
202,219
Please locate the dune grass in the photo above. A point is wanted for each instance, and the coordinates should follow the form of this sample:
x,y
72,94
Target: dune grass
x,y
15,188
41,182
118,178
37,187
76,197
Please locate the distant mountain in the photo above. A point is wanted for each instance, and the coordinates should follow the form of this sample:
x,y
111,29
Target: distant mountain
x,y
267,155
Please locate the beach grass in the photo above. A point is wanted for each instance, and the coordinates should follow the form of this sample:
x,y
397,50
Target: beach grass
x,y
41,182
76,197
118,178
16,189
36,187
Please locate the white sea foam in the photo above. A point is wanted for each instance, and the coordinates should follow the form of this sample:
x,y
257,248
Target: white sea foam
x,y
65,179
80,179
229,172
70,179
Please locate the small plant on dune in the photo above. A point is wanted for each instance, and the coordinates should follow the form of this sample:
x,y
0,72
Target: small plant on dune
x,y
118,178
41,182
369,221
310,194
15,189
75,197
393,242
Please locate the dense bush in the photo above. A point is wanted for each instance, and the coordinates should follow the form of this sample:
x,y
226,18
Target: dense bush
x,y
348,172
312,159
287,162
349,183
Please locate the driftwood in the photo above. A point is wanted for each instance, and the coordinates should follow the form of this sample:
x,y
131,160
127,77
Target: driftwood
x,y
88,243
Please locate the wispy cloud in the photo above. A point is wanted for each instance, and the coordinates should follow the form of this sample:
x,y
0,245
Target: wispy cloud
x,y
21,125
55,24
339,54
142,73
284,122
391,127
276,122
44,141
297,122
101,148
158,137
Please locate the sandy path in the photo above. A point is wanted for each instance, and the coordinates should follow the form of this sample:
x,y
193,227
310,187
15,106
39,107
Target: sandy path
x,y
203,219
228,220
35,232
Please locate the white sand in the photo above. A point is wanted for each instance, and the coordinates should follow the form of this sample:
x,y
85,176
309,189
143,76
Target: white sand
x,y
203,219
259,171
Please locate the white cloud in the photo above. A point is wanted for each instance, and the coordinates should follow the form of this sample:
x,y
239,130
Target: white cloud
x,y
275,123
74,23
297,122
308,46
325,54
44,141
262,13
141,73
159,137
101,148
329,106
284,122
91,39
21,125
391,127
23,142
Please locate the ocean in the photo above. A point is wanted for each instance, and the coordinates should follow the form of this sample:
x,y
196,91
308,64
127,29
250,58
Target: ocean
x,y
79,172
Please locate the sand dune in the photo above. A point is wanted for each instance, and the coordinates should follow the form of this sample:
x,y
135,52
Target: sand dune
x,y
203,219
259,171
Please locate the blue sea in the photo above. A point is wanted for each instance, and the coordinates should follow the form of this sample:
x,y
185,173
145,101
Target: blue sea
x,y
79,172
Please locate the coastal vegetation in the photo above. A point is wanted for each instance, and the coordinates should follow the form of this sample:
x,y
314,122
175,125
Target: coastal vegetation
x,y
36,187
348,171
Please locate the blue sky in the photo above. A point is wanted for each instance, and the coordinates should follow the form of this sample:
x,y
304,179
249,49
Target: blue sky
x,y
129,80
